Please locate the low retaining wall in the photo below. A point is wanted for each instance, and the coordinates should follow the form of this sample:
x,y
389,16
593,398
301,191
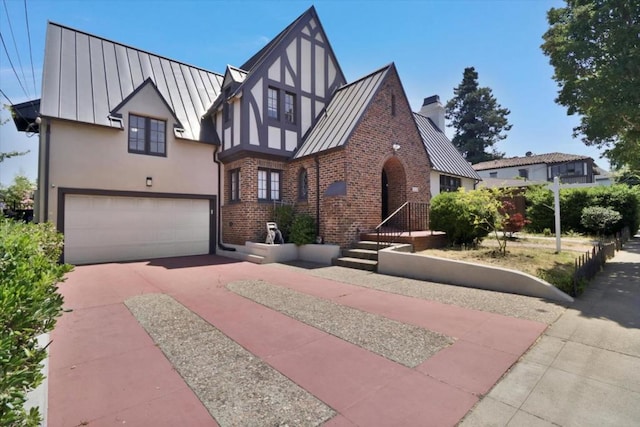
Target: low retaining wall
x,y
396,262
263,253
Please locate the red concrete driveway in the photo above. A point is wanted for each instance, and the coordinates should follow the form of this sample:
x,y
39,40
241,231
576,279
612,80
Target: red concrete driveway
x,y
106,370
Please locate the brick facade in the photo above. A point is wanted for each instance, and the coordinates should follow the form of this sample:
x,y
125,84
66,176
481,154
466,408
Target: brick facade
x,y
359,163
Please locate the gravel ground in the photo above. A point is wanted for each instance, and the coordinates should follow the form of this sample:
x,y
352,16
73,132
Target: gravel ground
x,y
406,344
237,388
522,307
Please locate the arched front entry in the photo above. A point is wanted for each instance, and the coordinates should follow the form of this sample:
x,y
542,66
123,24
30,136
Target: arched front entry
x,y
393,187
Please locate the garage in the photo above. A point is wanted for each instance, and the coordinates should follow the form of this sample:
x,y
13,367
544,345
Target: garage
x,y
107,228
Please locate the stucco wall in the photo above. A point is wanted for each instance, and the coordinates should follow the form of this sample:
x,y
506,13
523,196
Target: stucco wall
x,y
95,157
536,172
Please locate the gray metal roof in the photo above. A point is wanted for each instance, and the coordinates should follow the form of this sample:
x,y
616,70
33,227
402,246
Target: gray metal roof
x,y
342,114
443,155
535,159
86,77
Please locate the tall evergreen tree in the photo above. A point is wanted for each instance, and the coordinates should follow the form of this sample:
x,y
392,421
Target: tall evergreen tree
x,y
479,121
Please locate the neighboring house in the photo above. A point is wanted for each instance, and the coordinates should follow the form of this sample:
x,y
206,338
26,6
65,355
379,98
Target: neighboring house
x,y
449,169
142,156
603,177
570,168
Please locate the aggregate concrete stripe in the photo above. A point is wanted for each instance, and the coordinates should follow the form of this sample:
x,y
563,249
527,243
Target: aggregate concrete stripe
x,y
406,344
236,387
523,307
492,330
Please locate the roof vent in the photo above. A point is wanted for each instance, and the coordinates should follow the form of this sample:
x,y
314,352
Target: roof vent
x,y
528,154
115,119
178,130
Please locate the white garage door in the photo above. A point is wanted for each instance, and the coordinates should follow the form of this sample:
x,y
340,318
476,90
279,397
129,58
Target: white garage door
x,y
106,228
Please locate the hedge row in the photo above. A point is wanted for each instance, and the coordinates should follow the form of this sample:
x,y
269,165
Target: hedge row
x,y
29,306
621,198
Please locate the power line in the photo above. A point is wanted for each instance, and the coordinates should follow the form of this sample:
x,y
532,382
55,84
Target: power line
x,y
12,67
33,74
15,45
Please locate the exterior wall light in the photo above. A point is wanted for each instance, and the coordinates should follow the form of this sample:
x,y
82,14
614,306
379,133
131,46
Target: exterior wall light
x,y
149,181
395,147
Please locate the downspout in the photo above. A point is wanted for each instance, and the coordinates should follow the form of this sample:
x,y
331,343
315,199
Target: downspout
x,y
219,218
317,160
47,154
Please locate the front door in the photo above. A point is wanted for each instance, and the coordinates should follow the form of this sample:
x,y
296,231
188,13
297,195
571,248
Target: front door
x,y
385,195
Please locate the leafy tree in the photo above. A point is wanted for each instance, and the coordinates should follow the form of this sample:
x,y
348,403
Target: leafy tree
x,y
594,48
10,154
18,195
479,120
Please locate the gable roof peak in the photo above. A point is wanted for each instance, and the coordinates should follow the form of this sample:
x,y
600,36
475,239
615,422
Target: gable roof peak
x,y
259,56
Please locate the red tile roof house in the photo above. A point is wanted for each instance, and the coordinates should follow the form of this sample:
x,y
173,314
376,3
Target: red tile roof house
x,y
142,156
570,168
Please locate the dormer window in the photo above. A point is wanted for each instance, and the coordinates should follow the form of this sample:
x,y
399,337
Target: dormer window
x,y
273,101
147,136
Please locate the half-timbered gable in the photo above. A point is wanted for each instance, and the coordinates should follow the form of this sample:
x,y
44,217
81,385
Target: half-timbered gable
x,y
271,101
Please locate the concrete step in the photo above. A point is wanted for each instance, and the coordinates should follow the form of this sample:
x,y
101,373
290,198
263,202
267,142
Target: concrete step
x,y
371,245
357,263
361,254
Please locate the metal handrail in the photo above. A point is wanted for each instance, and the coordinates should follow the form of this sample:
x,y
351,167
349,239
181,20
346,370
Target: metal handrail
x,y
411,216
392,215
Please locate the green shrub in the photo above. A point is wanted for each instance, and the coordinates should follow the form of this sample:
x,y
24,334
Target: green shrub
x,y
539,201
572,202
600,220
463,215
620,198
303,230
283,215
29,306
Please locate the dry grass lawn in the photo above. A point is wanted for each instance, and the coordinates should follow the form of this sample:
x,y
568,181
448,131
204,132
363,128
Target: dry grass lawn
x,y
533,257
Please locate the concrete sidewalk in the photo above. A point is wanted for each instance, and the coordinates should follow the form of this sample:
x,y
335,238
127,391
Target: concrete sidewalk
x,y
585,369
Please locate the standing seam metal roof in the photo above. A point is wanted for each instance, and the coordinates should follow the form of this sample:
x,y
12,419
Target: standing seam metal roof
x,y
443,155
342,114
85,77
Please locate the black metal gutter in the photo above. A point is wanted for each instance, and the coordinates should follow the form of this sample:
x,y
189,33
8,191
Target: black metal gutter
x,y
220,194
47,155
317,160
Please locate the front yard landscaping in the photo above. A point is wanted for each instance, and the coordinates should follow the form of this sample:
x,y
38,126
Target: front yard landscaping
x,y
532,256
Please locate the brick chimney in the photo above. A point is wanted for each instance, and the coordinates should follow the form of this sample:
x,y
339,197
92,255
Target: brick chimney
x,y
432,108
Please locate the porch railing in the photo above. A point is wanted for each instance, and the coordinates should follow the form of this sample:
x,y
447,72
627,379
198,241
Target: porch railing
x,y
411,216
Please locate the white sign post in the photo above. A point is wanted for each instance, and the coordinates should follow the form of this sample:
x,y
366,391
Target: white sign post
x,y
556,205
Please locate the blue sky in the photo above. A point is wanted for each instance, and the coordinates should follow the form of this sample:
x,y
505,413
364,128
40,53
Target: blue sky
x,y
431,42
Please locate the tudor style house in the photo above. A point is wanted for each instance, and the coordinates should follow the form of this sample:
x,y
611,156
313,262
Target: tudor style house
x,y
142,156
